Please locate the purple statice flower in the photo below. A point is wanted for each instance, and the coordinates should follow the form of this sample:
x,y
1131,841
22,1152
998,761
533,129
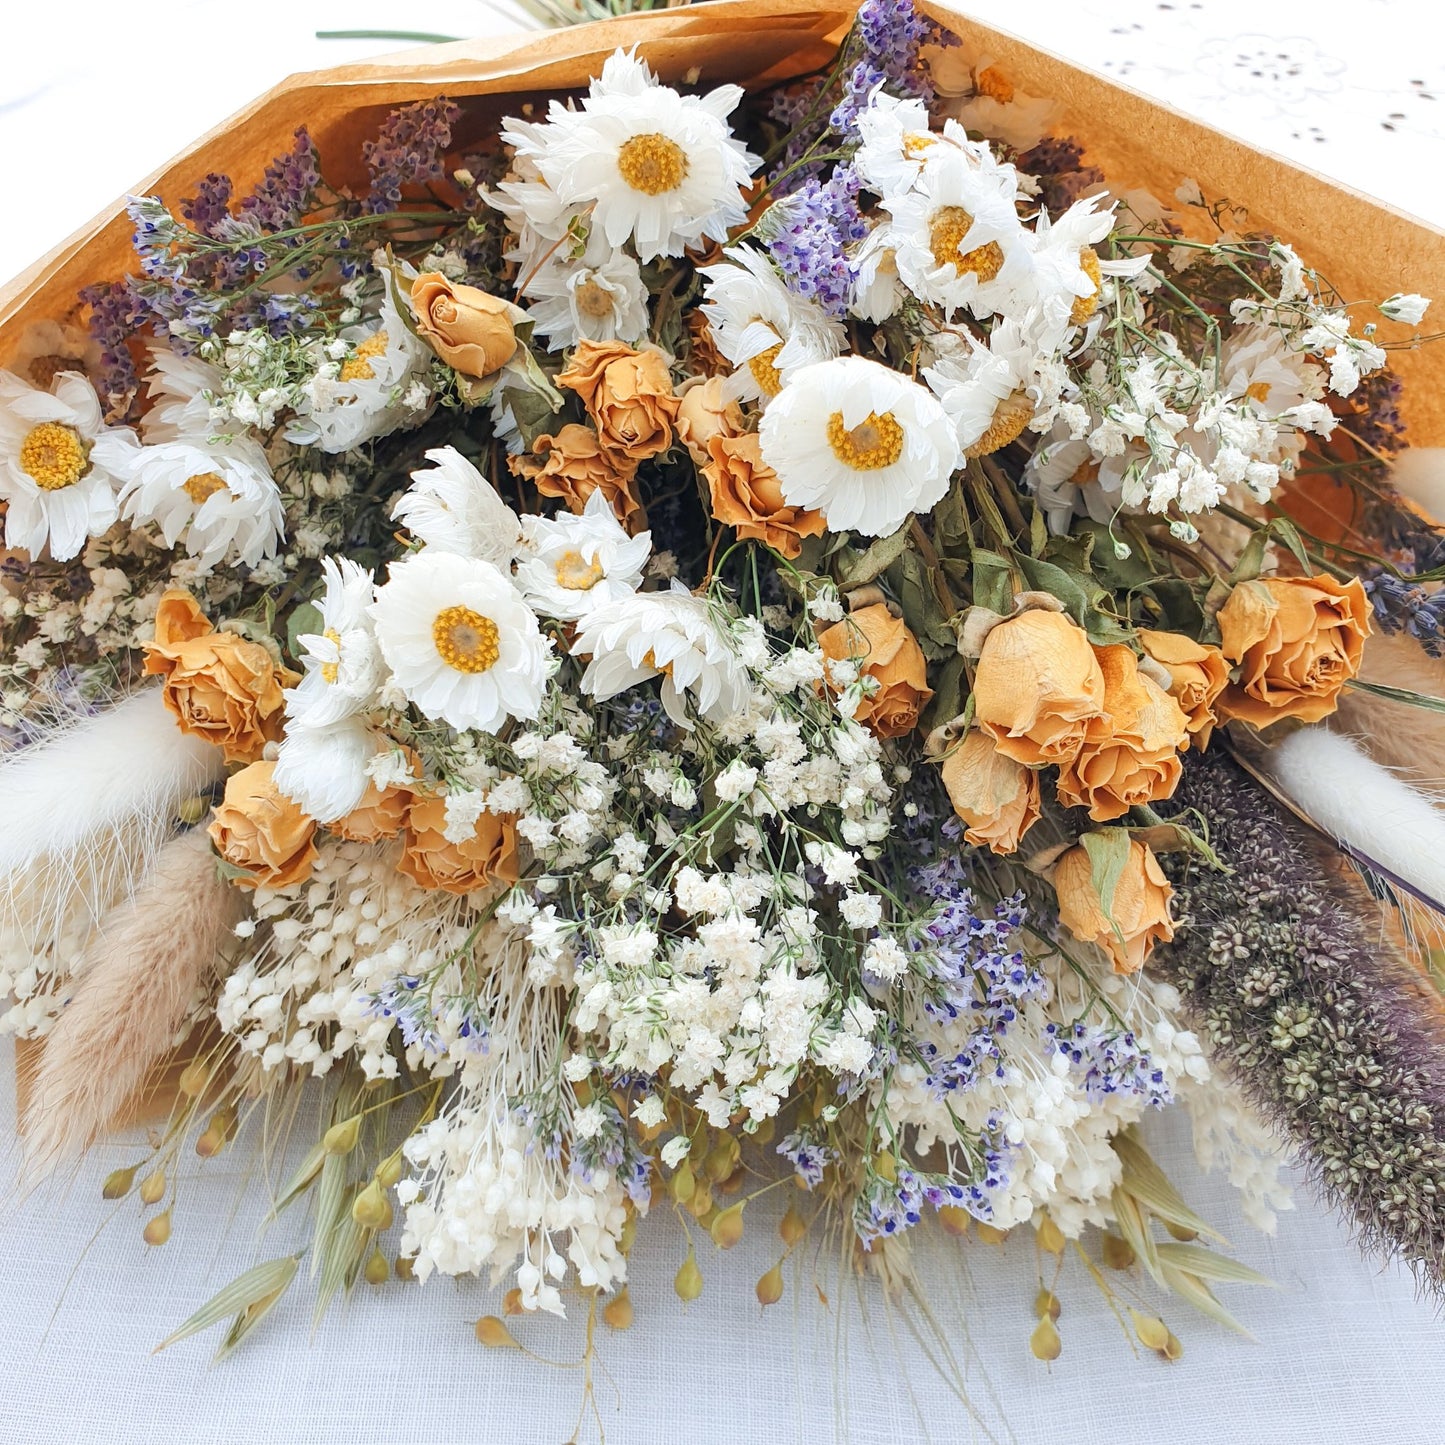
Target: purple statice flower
x,y
885,1207
117,312
808,1155
1375,417
287,191
210,208
809,233
404,1001
891,34
1110,1060
1057,163
408,151
1404,605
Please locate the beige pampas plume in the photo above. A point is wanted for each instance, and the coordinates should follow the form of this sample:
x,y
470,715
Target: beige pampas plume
x,y
137,980
85,811
1419,474
1400,735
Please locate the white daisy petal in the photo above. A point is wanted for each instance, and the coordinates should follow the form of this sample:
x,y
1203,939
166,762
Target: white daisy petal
x,y
452,507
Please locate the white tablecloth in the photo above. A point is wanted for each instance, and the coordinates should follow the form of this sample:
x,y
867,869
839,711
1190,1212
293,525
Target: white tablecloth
x,y
94,95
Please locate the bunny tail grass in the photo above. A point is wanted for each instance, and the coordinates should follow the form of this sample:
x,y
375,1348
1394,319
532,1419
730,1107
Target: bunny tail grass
x,y
86,810
1330,1031
143,967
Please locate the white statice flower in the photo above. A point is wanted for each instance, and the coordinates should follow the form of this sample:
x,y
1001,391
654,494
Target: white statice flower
x,y
670,634
376,385
957,237
342,666
660,169
218,498
570,563
459,641
451,507
60,465
860,443
600,297
764,329
323,770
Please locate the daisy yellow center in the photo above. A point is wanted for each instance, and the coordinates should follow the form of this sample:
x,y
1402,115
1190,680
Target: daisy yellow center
x,y
330,671
652,164
1010,417
1257,391
1085,306
467,641
576,574
203,485
877,441
359,368
650,661
992,82
594,300
915,142
765,372
54,456
946,229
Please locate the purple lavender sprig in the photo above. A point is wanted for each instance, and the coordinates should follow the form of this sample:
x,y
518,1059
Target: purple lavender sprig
x,y
1330,1033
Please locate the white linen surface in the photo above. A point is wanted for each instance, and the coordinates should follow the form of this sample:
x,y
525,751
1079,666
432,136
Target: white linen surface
x,y
92,97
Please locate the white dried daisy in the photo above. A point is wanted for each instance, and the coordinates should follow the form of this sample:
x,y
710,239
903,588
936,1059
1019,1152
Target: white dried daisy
x,y
219,500
1067,274
376,386
861,443
180,389
452,507
571,563
598,298
342,666
660,169
876,290
957,235
60,465
459,641
323,770
672,635
895,140
765,330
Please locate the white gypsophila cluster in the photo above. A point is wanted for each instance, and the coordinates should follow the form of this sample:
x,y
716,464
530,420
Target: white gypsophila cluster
x,y
328,950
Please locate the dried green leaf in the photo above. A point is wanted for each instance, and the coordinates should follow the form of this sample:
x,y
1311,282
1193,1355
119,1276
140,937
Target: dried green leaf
x,y
300,1181
1108,850
1399,694
861,567
992,581
303,619
261,1284
332,1204
1209,1265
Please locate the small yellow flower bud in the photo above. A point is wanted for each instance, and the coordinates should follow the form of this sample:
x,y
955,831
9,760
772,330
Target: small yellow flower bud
x,y
629,1233
192,810
194,1078
688,1281
1118,1253
1046,1302
700,1204
1045,1343
885,1166
765,1132
491,1331
990,1234
769,1288
118,1182
405,1267
722,1159
727,1228
617,1312
377,1270
955,1221
341,1138
372,1209
512,1301
158,1228
209,1142
153,1187
734,1181
1173,1347
389,1171
792,1226
1153,1332
1179,1232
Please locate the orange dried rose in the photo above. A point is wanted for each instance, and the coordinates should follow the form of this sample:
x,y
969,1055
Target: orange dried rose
x,y
1197,675
573,464
381,811
471,331
257,828
995,796
220,686
886,650
1297,641
1130,754
1037,687
703,414
627,393
747,495
488,856
1140,906
702,352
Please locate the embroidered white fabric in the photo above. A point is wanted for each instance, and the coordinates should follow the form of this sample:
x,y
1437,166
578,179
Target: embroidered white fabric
x,y
1345,1352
